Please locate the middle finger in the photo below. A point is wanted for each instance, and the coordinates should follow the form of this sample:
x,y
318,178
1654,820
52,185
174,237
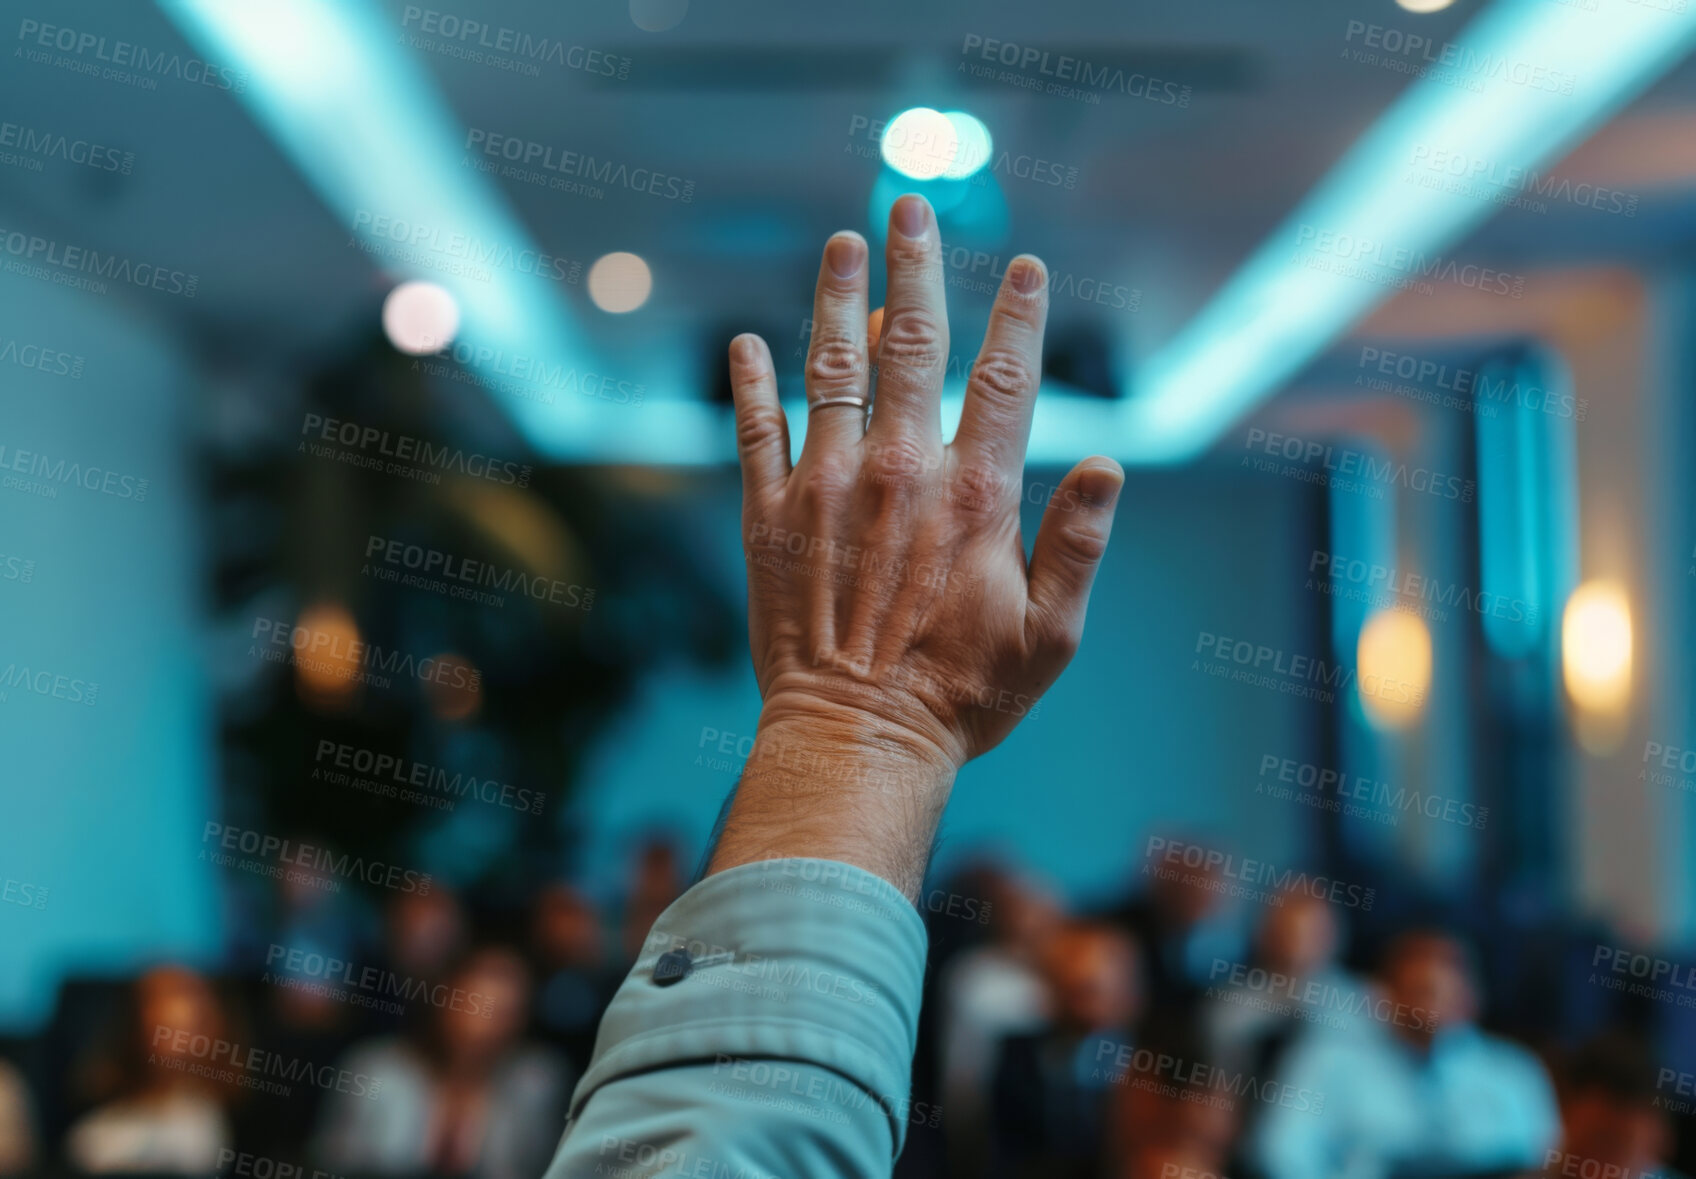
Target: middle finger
x,y
913,345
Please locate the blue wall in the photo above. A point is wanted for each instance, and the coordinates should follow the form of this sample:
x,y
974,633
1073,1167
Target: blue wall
x,y
103,800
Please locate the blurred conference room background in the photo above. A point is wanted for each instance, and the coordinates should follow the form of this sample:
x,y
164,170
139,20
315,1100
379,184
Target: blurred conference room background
x,y
371,600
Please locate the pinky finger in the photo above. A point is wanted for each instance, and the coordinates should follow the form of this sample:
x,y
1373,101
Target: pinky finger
x,y
762,432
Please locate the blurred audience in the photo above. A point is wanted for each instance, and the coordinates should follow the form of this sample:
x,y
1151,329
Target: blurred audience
x,y
1259,1009
1414,1086
987,993
1170,922
1168,1111
468,1096
1291,979
424,932
1613,1122
18,1148
656,882
165,1114
1051,1057
574,984
1052,1087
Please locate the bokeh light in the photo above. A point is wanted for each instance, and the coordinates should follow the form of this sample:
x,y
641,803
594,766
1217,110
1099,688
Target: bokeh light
x,y
973,145
1596,647
420,318
620,282
921,143
1394,668
327,652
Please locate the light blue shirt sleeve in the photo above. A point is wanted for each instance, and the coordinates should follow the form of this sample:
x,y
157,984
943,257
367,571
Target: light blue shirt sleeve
x,y
783,1051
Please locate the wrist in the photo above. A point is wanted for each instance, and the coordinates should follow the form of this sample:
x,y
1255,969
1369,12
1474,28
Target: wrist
x,y
829,781
795,722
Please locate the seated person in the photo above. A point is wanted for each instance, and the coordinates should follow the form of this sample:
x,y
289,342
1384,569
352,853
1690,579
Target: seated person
x,y
165,1116
1053,1087
1613,1120
1414,1087
468,1096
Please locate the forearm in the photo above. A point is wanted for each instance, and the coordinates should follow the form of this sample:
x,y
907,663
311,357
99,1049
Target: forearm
x,y
766,1029
834,784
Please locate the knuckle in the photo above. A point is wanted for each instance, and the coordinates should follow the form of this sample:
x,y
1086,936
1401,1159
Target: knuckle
x,y
835,360
1060,631
1004,374
1081,545
1064,640
909,255
913,339
898,464
1026,309
758,429
830,477
978,488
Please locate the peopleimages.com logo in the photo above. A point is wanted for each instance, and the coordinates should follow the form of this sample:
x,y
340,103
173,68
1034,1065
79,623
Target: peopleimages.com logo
x,y
1285,777
332,653
288,854
125,60
465,247
402,454
387,774
41,682
1470,388
501,47
31,146
50,362
364,986
183,1050
1224,873
1031,67
82,267
1397,266
43,475
1449,62
422,567
1324,460
1293,674
1383,585
1144,1068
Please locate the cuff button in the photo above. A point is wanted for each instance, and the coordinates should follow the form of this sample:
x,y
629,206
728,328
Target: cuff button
x,y
671,967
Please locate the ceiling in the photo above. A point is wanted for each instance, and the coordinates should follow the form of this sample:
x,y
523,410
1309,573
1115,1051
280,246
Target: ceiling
x,y
764,109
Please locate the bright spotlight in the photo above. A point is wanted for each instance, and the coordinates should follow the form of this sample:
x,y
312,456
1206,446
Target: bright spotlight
x,y
1394,665
1425,5
973,145
420,318
620,282
921,143
1596,647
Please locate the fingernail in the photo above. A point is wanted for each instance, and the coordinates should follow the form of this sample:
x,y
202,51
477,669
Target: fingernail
x,y
911,216
1100,486
845,254
745,349
1025,275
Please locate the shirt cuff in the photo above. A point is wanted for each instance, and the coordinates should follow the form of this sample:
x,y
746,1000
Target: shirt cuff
x,y
795,959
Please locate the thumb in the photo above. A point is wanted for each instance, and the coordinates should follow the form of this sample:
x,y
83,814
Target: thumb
x,y
1068,550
